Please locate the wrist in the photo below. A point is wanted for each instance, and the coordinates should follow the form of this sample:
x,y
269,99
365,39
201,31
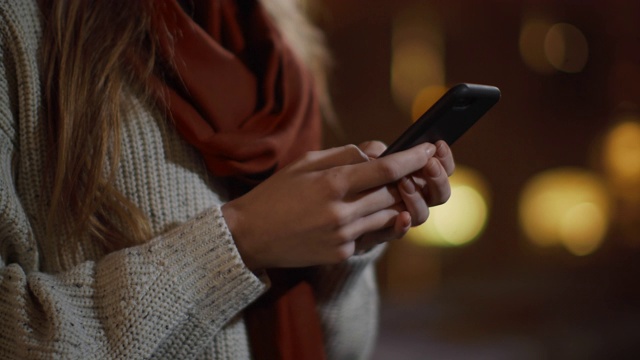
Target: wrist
x,y
235,223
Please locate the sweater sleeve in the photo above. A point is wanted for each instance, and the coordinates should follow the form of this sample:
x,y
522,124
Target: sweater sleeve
x,y
167,298
348,303
179,288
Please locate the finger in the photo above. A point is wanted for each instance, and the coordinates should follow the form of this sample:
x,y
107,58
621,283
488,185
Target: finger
x,y
444,154
373,149
329,158
375,222
414,201
399,229
388,169
401,226
437,190
371,201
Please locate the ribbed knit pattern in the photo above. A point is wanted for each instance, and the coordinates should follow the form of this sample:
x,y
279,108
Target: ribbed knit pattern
x,y
178,296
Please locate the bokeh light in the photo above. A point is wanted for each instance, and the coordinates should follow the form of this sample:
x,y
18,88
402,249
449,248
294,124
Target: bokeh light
x,y
417,58
546,47
425,99
531,43
461,219
566,48
621,163
621,157
567,206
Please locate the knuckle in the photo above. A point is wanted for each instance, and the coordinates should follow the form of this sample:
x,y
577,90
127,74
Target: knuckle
x,y
343,252
342,236
388,171
355,153
337,216
333,183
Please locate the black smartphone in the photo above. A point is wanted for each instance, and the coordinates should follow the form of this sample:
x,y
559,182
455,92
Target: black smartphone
x,y
450,117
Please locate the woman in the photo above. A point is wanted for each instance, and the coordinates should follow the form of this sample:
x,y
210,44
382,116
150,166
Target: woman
x,y
160,160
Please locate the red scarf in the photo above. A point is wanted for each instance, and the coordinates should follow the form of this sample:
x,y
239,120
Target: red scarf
x,y
241,97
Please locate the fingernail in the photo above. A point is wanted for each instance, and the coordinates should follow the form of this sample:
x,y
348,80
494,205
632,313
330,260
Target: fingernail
x,y
407,185
431,149
433,168
440,151
407,226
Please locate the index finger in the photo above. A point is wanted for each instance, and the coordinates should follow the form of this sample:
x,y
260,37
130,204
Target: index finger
x,y
388,169
444,154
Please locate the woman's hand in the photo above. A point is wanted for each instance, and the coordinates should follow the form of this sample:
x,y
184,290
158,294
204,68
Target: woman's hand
x,y
313,211
425,188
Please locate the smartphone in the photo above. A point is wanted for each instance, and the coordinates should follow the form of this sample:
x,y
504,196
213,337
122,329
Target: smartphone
x,y
450,117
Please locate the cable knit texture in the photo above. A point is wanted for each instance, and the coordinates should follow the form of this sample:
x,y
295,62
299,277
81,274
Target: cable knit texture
x,y
178,296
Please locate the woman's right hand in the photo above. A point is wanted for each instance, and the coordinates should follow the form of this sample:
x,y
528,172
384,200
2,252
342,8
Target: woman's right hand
x,y
313,211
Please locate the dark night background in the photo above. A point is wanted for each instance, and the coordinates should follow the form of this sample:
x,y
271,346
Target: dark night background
x,y
501,296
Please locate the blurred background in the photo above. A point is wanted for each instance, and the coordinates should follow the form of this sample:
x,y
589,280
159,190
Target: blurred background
x,y
537,254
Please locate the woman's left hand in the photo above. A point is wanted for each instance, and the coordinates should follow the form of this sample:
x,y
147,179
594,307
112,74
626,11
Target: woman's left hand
x,y
417,193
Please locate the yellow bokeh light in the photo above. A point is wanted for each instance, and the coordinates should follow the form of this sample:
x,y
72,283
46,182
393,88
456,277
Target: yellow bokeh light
x,y
414,65
417,58
622,152
546,47
531,43
566,206
425,99
582,228
462,219
566,48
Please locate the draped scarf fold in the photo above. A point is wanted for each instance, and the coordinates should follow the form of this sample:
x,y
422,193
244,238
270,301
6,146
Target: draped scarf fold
x,y
237,93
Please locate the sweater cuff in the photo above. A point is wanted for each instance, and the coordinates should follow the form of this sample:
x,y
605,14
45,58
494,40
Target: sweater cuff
x,y
209,270
330,281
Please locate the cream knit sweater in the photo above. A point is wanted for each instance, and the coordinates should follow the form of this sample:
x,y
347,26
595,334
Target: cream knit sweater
x,y
179,296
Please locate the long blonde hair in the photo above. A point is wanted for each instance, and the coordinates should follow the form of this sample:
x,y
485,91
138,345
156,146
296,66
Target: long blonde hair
x,y
87,51
95,54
